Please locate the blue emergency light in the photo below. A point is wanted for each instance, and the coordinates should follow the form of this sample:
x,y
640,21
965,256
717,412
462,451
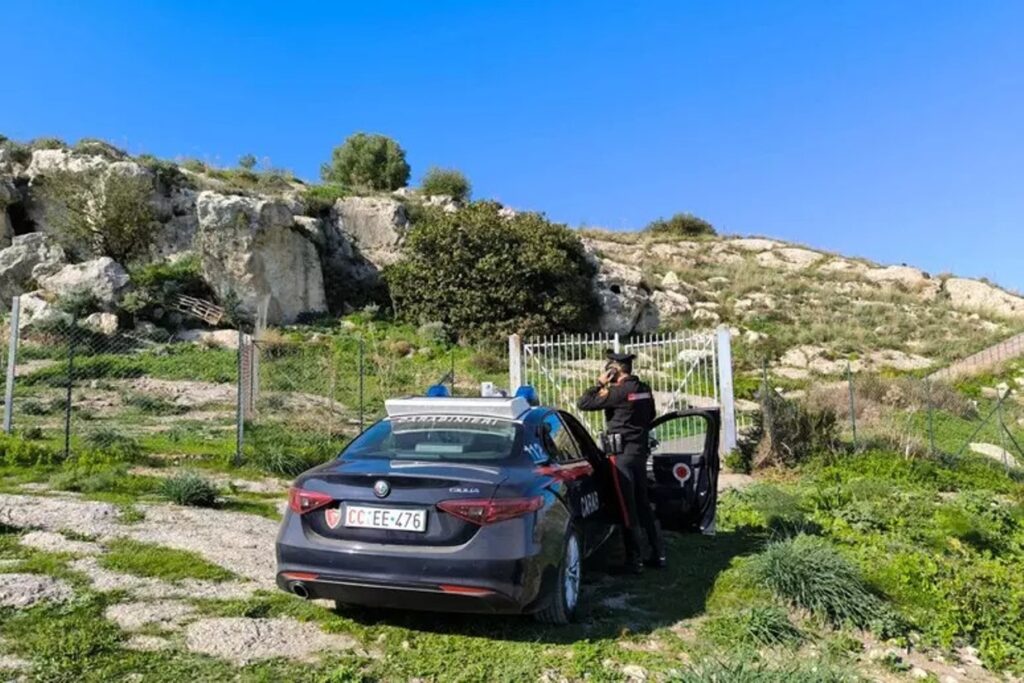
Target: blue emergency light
x,y
438,391
529,393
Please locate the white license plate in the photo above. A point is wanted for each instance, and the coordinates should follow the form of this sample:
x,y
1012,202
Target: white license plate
x,y
385,518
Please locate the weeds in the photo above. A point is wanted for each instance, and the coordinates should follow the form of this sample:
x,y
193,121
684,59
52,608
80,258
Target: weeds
x,y
155,561
808,573
189,488
757,626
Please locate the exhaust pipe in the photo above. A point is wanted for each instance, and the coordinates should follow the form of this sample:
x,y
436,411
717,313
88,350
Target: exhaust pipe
x,y
299,589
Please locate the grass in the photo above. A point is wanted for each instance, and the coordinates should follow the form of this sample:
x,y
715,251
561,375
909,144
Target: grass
x,y
158,562
189,488
808,573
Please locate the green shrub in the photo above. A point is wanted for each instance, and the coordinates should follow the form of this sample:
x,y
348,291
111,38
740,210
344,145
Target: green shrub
x,y
367,162
680,225
105,214
247,161
47,143
16,152
154,405
446,181
17,452
189,488
434,332
320,198
101,148
743,670
111,446
808,573
78,303
88,480
485,275
758,626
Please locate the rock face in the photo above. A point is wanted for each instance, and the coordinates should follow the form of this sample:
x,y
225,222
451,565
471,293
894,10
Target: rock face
x,y
375,225
975,295
251,249
29,258
103,277
626,303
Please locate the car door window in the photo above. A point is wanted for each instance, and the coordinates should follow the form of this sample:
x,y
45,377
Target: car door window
x,y
558,441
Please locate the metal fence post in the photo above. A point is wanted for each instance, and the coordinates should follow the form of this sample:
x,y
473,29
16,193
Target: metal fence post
x,y
931,419
515,363
71,382
12,359
362,379
853,405
240,407
725,389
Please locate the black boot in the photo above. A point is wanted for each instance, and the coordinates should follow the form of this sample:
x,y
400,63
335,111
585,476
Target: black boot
x,y
656,561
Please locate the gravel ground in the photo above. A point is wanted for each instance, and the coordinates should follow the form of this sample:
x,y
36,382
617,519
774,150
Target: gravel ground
x,y
53,542
161,614
243,640
25,590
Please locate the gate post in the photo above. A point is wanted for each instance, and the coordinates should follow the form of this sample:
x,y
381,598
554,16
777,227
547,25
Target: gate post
x,y
725,390
515,363
12,359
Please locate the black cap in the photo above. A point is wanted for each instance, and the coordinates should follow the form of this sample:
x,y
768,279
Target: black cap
x,y
624,358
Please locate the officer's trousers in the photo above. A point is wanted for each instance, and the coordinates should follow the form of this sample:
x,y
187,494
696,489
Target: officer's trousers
x,y
632,470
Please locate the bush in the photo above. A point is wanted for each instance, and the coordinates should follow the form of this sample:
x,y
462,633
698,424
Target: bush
x,y
106,214
16,152
78,303
485,275
320,198
189,488
16,452
434,332
681,225
160,284
101,148
247,161
368,162
111,446
808,573
47,143
446,181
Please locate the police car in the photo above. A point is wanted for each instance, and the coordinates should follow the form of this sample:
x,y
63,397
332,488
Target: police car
x,y
480,505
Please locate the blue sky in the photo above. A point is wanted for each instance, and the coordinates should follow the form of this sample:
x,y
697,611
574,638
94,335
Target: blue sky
x,y
890,130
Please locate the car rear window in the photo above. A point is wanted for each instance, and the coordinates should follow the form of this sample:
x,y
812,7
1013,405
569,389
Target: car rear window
x,y
438,437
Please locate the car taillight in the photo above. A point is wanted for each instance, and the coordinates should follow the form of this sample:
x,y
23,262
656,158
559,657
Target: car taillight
x,y
479,511
301,501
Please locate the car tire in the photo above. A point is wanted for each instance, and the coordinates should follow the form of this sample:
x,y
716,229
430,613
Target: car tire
x,y
566,591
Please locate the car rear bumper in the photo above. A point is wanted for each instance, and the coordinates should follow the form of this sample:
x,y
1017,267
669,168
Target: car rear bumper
x,y
419,596
499,570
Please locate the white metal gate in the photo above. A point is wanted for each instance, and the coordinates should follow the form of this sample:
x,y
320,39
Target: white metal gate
x,y
684,370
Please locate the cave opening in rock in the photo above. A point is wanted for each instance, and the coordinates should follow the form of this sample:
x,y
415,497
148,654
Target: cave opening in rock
x,y
615,289
20,220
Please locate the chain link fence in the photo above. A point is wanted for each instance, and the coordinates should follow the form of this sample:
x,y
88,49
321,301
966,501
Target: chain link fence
x,y
914,416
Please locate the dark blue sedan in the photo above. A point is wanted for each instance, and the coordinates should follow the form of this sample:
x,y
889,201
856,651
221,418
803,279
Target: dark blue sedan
x,y
480,505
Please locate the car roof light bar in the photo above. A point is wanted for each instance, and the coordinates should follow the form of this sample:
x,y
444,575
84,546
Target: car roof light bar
x,y
426,406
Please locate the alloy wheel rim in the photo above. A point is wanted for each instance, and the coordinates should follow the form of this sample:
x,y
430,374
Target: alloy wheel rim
x,y
572,572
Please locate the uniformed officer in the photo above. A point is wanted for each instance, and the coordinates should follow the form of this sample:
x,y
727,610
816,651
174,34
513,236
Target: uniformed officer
x,y
628,405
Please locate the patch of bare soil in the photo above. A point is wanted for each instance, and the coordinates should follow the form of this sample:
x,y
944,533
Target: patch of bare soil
x,y
21,591
242,641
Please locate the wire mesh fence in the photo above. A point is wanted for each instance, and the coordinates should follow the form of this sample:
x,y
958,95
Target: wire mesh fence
x,y
910,415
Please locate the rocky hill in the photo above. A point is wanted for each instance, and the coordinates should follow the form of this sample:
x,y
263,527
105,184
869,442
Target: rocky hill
x,y
267,240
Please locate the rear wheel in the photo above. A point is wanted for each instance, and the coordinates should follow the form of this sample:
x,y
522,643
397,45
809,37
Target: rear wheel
x,y
566,592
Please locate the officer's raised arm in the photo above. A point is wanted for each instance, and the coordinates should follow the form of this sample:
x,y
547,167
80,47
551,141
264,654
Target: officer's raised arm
x,y
600,396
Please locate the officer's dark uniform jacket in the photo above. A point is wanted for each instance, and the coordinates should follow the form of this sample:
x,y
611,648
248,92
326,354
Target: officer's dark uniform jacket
x,y
628,410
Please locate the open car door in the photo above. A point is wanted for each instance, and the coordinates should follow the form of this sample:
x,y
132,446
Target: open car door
x,y
683,469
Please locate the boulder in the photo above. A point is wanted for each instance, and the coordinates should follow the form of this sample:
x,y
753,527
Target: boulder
x,y
252,249
375,225
29,258
788,258
974,295
104,323
103,277
905,275
626,304
749,244
35,309
446,203
670,304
